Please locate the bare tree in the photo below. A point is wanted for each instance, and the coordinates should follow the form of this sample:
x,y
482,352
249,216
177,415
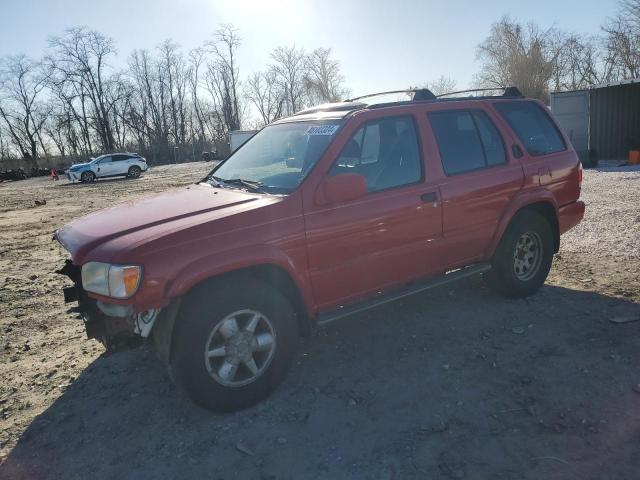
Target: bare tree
x,y
580,64
622,41
196,60
290,68
79,63
175,84
522,55
148,114
441,85
21,86
74,103
266,94
631,10
222,76
5,151
323,80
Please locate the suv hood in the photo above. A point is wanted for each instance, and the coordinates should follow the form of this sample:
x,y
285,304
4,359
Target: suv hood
x,y
164,210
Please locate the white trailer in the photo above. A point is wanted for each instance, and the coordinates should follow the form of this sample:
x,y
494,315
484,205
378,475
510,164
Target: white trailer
x,y
238,137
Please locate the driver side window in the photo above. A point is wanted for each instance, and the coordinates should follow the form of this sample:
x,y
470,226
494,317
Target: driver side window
x,y
385,152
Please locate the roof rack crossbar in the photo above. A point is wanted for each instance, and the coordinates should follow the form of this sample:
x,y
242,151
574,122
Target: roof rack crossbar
x,y
421,93
507,91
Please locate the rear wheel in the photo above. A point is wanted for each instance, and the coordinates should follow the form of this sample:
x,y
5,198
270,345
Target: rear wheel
x,y
523,259
233,344
134,172
88,177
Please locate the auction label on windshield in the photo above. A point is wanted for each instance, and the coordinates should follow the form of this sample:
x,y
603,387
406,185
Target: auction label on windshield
x,y
322,130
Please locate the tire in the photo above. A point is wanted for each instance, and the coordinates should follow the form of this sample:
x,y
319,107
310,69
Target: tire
x,y
134,172
523,258
88,177
204,325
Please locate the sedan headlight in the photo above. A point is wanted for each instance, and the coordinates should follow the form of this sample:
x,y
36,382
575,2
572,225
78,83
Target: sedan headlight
x,y
116,281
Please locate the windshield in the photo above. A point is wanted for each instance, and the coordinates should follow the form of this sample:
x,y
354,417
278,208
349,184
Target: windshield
x,y
277,158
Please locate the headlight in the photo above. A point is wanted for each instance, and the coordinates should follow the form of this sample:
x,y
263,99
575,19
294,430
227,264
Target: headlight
x,y
116,281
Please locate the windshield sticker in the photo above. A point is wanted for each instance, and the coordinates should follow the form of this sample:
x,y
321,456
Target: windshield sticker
x,y
322,130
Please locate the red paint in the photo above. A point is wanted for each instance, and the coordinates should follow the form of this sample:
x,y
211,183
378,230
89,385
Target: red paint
x,y
337,242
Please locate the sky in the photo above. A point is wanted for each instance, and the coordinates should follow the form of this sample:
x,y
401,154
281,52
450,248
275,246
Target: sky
x,y
380,44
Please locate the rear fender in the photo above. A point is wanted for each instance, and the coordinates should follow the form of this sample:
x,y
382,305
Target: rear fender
x,y
519,202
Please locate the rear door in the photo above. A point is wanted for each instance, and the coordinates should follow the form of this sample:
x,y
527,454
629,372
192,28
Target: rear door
x,y
480,179
548,160
388,236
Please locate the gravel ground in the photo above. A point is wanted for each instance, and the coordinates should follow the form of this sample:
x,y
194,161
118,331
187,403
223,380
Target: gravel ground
x,y
613,217
455,383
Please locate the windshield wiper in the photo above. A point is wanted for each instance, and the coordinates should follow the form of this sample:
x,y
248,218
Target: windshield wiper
x,y
249,184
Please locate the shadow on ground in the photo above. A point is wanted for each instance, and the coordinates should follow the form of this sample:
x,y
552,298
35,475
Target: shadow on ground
x,y
450,384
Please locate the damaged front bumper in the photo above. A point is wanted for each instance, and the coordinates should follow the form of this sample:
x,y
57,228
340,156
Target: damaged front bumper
x,y
73,176
115,326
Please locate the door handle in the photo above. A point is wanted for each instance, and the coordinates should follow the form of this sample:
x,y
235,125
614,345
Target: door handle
x,y
430,197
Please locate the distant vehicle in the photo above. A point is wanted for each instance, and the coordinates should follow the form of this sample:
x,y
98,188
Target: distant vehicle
x,y
238,137
209,156
129,165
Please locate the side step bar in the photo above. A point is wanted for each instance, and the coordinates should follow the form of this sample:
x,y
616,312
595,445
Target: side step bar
x,y
452,276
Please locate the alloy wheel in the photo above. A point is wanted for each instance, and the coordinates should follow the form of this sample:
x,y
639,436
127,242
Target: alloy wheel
x,y
240,348
527,256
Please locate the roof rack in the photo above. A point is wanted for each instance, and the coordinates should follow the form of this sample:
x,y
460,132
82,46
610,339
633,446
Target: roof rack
x,y
418,94
332,107
507,92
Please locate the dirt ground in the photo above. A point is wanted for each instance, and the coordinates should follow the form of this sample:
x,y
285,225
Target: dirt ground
x,y
455,383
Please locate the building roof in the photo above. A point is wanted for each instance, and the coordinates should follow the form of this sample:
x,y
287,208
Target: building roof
x,y
601,85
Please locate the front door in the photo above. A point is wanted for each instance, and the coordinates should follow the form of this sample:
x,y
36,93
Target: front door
x,y
105,167
384,238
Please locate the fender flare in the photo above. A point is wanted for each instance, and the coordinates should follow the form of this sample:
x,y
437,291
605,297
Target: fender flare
x,y
519,202
232,260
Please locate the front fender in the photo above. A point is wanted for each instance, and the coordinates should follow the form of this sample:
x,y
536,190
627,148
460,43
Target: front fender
x,y
520,201
232,260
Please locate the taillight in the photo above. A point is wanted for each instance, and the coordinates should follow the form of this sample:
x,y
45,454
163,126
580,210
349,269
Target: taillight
x,y
580,173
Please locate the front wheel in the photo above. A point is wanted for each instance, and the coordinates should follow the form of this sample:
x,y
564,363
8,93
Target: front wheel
x,y
87,177
233,344
523,259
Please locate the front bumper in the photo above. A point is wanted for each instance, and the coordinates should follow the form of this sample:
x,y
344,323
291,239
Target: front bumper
x,y
73,176
115,326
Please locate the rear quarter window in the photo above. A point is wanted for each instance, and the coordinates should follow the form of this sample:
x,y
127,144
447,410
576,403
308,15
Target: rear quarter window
x,y
533,126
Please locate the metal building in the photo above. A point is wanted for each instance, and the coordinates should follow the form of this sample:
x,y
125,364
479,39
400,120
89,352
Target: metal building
x,y
602,122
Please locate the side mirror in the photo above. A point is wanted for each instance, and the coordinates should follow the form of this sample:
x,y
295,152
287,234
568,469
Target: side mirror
x,y
341,188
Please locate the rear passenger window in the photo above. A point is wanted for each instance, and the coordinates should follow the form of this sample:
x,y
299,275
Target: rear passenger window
x,y
491,140
467,140
120,158
385,152
533,127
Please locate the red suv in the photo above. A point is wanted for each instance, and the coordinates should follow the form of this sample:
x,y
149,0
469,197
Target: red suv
x,y
334,210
